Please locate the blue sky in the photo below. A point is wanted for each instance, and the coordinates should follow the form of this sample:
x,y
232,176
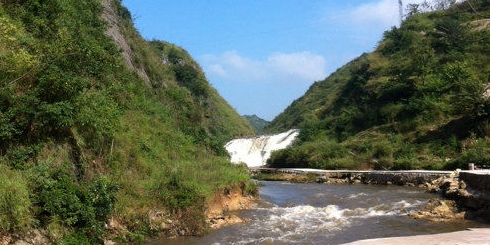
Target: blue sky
x,y
261,55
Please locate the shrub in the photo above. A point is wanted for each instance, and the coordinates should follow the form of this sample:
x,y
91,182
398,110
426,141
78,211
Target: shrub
x,y
383,163
404,164
61,196
102,194
98,117
183,197
78,238
84,206
18,157
177,192
382,149
251,188
476,155
189,77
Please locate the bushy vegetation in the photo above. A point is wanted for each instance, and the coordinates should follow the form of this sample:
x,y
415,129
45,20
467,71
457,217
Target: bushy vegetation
x,y
86,136
418,101
14,201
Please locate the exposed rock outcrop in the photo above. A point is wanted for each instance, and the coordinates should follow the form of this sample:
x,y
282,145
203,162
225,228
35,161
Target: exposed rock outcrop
x,y
33,237
473,199
439,211
115,32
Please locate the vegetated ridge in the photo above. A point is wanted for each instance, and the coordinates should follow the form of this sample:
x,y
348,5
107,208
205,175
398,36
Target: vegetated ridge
x,y
257,123
419,101
103,133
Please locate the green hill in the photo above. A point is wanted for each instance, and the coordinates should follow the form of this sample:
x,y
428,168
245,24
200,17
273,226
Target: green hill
x,y
97,124
257,123
419,101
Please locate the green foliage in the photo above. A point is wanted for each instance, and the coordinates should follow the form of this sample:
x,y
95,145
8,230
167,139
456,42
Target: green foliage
x,y
98,118
257,123
189,77
19,157
414,99
78,238
102,193
201,113
468,99
88,137
177,193
15,205
477,153
84,206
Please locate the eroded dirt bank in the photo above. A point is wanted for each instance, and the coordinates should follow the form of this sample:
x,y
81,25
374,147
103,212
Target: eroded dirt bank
x,y
221,210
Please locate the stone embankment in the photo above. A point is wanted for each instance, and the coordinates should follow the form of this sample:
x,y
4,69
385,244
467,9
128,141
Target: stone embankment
x,y
468,192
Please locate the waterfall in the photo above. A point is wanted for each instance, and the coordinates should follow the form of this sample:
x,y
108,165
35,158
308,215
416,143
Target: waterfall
x,y
255,151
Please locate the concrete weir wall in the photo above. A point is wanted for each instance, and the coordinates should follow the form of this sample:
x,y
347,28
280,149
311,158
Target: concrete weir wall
x,y
373,177
478,180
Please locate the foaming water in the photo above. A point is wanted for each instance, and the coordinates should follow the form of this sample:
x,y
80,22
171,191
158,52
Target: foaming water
x,y
255,151
326,214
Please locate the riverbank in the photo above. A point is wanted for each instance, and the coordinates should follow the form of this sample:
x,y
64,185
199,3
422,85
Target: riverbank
x,y
469,191
318,214
218,212
468,237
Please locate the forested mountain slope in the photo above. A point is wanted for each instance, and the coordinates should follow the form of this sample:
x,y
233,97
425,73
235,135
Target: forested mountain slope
x,y
97,124
420,100
257,123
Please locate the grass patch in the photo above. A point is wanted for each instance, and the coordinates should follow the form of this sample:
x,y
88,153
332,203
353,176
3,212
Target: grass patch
x,y
15,205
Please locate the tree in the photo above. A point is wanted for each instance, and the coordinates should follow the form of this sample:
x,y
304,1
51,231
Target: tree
x,y
443,4
413,8
468,96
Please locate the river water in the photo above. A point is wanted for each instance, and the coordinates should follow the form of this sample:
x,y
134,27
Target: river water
x,y
326,214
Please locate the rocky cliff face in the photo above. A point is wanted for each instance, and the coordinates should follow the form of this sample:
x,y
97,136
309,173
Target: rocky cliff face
x,y
114,30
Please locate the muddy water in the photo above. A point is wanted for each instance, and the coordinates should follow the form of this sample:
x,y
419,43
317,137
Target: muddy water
x,y
326,214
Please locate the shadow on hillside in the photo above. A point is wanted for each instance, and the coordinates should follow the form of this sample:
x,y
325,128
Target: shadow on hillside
x,y
461,128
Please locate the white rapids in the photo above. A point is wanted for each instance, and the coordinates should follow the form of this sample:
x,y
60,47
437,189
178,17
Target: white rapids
x,y
255,151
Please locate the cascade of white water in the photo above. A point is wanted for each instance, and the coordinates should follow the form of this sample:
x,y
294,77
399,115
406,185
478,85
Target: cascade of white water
x,y
255,151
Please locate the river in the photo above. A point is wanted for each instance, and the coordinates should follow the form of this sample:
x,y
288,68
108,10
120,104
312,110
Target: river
x,y
290,213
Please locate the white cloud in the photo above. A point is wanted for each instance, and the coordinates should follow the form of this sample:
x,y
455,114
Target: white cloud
x,y
218,69
277,67
303,65
384,12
